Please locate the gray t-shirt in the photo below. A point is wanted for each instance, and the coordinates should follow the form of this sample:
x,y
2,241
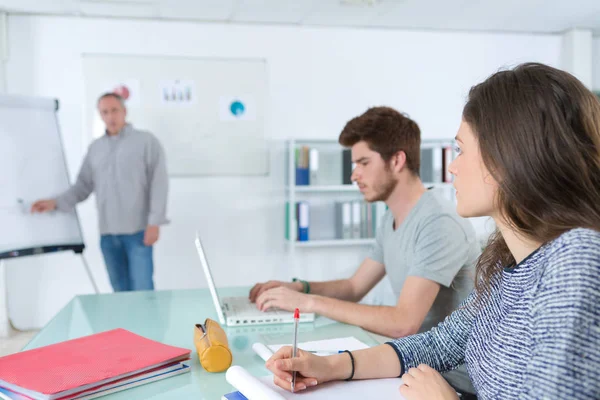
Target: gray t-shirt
x,y
432,242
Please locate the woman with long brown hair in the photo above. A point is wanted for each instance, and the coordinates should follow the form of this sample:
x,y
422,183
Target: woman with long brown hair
x,y
529,157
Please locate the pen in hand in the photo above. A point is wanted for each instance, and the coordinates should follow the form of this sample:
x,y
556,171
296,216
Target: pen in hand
x,y
295,345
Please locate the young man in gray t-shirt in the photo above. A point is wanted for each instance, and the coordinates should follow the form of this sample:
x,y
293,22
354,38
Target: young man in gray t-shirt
x,y
425,248
433,243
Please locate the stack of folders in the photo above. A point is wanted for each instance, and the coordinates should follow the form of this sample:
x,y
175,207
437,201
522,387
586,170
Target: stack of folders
x,y
355,220
89,367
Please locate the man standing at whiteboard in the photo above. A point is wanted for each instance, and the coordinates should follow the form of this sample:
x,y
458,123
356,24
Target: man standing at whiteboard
x,y
126,168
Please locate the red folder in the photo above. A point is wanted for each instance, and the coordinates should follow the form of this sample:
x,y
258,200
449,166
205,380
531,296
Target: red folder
x,y
65,368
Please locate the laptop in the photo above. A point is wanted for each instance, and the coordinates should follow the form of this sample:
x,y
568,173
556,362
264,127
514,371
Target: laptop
x,y
239,311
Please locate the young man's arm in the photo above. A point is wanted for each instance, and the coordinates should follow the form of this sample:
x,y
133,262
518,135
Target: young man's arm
x,y
404,319
369,274
416,298
355,288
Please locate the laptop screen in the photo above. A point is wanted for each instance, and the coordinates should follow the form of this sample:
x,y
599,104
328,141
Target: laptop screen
x,y
209,280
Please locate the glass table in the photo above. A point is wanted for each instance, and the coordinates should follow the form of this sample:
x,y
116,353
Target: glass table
x,y
169,317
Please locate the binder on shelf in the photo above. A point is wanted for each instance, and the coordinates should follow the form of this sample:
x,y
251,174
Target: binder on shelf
x,y
303,221
434,164
302,166
356,221
313,166
437,165
346,167
373,220
302,177
369,220
446,160
363,220
291,226
426,169
339,219
347,220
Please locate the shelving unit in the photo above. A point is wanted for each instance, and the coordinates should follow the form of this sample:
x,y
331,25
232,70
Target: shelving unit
x,y
331,188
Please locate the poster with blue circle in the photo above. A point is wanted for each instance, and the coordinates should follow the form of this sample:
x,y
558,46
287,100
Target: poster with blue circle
x,y
237,108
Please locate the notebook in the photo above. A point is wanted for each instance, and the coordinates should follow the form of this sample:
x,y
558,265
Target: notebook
x,y
113,387
6,394
263,388
137,380
77,365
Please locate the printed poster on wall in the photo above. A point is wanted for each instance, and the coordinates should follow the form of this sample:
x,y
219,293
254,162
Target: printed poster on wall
x,y
177,93
237,108
128,89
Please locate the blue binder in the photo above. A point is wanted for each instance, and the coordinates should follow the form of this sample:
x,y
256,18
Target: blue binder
x,y
302,176
234,396
303,221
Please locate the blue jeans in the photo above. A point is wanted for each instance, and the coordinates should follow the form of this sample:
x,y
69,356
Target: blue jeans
x,y
128,261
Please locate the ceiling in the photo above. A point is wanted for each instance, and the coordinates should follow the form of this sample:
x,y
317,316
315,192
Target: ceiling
x,y
544,16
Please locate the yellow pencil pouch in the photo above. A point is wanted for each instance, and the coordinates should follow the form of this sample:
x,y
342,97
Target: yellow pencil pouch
x,y
212,346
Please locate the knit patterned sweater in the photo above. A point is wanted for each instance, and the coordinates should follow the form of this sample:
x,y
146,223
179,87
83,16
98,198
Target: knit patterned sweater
x,y
538,334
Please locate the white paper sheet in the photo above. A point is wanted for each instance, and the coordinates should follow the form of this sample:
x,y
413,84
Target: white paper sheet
x,y
366,389
250,386
329,345
319,347
263,388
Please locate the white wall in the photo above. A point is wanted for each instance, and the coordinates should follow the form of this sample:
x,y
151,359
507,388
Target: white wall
x,y
4,320
319,78
596,64
577,54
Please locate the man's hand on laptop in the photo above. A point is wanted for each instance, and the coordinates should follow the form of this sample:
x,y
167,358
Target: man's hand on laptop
x,y
259,288
285,299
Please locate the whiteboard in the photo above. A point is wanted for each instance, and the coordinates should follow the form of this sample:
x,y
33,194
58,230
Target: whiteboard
x,y
209,114
33,167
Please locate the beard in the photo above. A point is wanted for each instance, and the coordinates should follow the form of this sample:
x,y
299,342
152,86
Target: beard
x,y
383,189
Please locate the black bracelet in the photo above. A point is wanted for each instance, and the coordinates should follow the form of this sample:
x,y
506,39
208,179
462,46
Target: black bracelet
x,y
352,360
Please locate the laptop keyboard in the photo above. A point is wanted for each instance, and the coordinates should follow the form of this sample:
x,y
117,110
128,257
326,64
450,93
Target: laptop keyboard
x,y
241,307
